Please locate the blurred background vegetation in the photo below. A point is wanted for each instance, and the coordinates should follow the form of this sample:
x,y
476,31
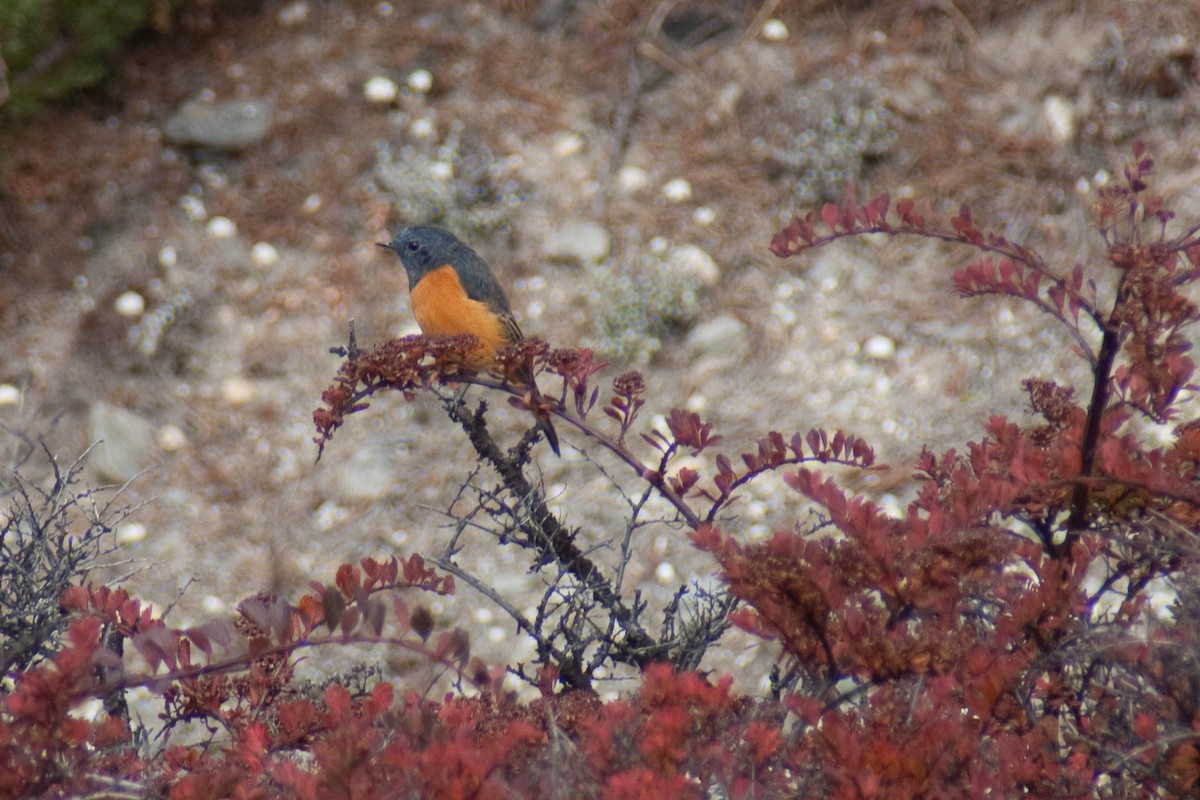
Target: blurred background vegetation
x,y
51,48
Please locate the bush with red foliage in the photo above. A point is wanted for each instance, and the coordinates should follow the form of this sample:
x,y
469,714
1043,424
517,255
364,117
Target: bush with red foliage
x,y
996,639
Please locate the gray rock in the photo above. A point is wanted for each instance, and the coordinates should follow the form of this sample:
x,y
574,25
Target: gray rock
x,y
370,473
233,125
718,334
692,260
578,243
126,442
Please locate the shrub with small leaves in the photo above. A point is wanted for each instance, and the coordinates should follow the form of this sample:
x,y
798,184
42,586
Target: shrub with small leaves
x,y
50,537
825,134
635,308
453,184
55,47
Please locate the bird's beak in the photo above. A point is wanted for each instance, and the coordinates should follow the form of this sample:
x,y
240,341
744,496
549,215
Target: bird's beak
x,y
388,245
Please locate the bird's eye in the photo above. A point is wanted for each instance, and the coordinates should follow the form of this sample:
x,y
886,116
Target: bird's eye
x,y
414,246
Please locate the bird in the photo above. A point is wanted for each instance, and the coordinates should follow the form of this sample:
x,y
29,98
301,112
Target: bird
x,y
454,291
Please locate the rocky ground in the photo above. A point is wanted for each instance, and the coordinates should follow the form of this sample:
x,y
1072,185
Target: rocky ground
x,y
171,279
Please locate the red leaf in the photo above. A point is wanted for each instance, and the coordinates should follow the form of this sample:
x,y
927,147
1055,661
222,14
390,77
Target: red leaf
x,y
829,213
877,209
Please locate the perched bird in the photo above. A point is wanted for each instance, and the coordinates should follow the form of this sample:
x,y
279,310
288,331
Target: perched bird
x,y
454,291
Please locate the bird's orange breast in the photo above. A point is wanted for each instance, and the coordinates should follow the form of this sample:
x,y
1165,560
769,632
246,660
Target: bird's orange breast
x,y
442,308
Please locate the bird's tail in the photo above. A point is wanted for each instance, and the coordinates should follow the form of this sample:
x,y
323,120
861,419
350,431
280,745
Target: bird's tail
x,y
543,416
547,428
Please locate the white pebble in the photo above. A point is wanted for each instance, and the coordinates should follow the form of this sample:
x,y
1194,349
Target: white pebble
x,y
380,91
631,180
879,347
420,80
692,260
9,395
213,604
1060,116
774,30
565,144
442,170
129,304
264,254
704,215
496,634
422,128
665,573
677,190
329,514
293,13
193,208
167,257
170,438
221,228
237,391
131,532
312,204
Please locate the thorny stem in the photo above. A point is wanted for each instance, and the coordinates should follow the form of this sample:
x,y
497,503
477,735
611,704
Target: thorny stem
x,y
554,542
655,476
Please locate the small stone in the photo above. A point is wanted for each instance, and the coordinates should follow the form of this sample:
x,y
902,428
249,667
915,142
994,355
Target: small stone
x,y
264,255
237,391
718,334
704,215
9,395
582,242
678,190
130,304
213,604
232,125
692,260
774,30
879,347
131,532
665,573
368,474
420,81
1060,117
171,438
565,144
293,13
167,257
221,228
329,514
380,91
312,204
193,208
126,442
422,128
631,180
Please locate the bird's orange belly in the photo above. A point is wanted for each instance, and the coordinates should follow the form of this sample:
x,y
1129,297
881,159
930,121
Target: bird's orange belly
x,y
442,308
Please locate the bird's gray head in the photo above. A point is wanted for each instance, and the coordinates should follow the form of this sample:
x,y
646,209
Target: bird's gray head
x,y
423,248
